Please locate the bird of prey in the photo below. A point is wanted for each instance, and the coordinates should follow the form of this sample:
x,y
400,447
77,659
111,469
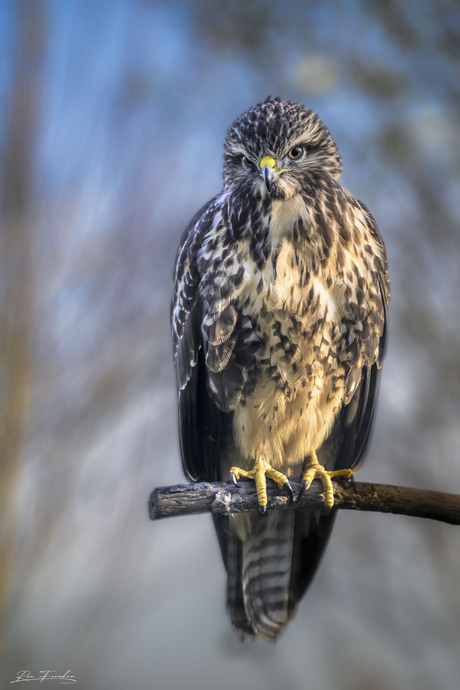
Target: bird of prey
x,y
279,321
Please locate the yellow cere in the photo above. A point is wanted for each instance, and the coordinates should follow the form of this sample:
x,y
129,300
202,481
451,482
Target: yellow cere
x,y
268,161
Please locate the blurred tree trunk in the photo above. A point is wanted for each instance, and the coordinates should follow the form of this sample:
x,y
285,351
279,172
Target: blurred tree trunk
x,y
16,269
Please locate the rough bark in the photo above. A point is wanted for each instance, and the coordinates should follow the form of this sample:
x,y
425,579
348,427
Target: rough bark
x,y
225,498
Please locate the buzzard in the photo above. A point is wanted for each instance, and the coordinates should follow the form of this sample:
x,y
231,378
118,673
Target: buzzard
x,y
279,322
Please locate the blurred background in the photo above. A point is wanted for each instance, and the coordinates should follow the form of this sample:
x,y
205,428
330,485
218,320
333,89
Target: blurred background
x,y
112,121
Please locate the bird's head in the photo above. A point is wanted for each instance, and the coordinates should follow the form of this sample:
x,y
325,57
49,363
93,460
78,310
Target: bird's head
x,y
275,147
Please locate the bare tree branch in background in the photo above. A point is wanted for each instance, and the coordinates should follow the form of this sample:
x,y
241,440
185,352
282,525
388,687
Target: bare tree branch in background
x,y
16,279
225,499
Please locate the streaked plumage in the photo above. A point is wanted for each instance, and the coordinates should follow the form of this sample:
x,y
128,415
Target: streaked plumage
x,y
279,319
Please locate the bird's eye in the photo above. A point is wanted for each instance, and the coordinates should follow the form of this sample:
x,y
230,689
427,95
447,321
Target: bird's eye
x,y
296,153
246,162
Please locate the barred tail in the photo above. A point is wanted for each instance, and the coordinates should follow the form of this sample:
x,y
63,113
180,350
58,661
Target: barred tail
x,y
270,561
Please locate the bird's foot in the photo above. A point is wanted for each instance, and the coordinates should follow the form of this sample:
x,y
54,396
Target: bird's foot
x,y
259,473
316,471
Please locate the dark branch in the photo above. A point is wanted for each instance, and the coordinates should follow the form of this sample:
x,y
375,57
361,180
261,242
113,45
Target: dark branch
x,y
225,498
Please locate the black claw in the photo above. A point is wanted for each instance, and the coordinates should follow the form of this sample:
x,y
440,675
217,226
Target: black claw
x,y
262,510
288,488
233,478
303,488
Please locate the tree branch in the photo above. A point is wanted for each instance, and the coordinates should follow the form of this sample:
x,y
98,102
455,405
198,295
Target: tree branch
x,y
225,499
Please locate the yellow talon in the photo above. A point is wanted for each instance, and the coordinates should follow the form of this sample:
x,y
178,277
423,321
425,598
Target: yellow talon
x,y
259,473
317,471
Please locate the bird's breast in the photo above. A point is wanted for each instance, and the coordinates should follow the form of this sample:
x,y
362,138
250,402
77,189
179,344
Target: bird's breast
x,y
291,287
297,385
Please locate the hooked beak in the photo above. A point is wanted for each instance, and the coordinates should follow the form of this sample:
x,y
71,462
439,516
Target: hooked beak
x,y
268,176
268,167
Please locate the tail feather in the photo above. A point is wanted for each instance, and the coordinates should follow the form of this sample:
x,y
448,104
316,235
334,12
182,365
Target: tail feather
x,y
266,569
235,597
270,561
